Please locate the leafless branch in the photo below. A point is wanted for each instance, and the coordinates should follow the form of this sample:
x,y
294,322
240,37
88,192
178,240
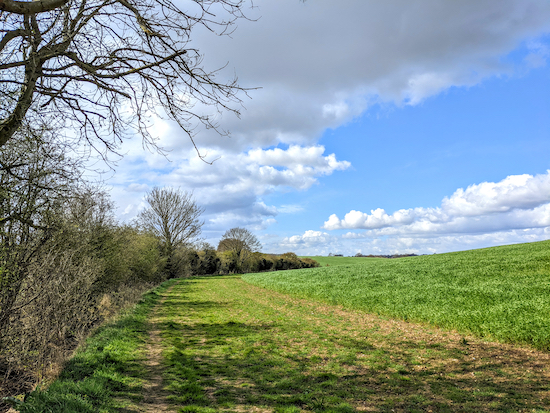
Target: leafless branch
x,y
87,61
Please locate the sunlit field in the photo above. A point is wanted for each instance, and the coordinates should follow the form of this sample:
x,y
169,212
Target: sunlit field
x,y
227,346
411,334
501,292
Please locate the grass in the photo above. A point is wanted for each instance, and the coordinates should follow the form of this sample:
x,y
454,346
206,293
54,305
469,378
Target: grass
x,y
106,375
232,347
332,261
502,293
229,346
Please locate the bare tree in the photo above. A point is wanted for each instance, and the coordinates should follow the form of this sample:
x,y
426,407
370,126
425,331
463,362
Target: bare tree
x,y
101,67
241,241
173,216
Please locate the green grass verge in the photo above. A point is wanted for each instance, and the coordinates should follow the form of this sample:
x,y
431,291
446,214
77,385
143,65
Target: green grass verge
x,y
502,292
107,373
233,347
229,346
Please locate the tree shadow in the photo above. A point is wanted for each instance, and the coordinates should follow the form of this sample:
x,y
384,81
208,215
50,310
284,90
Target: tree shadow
x,y
219,366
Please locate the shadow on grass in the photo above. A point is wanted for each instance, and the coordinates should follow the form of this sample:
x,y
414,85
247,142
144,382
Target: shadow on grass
x,y
104,377
235,366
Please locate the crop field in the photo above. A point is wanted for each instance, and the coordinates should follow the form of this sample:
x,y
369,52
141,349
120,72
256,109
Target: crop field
x,y
332,261
501,293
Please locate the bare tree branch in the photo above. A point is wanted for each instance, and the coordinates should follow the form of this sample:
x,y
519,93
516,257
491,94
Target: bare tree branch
x,y
173,217
85,62
30,7
36,179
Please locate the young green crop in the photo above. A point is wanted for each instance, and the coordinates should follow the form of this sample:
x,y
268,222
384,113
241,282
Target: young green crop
x,y
501,292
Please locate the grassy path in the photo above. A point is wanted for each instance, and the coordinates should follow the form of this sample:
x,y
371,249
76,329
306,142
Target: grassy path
x,y
111,372
154,395
230,346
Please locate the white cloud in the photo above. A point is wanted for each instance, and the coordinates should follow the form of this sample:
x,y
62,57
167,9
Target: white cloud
x,y
516,191
135,187
423,85
310,237
256,217
352,243
310,240
232,187
256,173
378,218
290,209
320,64
515,203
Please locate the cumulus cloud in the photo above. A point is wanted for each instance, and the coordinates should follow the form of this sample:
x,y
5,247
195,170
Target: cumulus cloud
x,y
311,78
256,172
443,243
516,202
378,218
231,189
352,243
256,217
320,64
516,191
309,241
310,237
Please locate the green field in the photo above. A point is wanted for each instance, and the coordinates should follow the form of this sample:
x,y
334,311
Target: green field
x,y
228,346
331,261
502,292
331,345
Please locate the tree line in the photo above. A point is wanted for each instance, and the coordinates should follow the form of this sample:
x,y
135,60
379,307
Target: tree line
x,y
173,217
66,264
385,256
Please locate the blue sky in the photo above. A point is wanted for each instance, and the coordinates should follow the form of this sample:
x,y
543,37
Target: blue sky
x,y
399,127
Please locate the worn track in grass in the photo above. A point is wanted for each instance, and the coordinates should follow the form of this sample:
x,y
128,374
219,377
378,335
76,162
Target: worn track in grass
x,y
154,394
230,346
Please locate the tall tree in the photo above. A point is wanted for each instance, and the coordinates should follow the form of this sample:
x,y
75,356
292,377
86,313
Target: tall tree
x,y
173,216
241,241
102,67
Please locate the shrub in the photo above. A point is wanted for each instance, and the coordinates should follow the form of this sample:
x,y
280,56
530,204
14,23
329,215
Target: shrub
x,y
209,262
229,262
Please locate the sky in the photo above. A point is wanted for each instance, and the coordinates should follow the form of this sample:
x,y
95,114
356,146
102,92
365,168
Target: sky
x,y
394,127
